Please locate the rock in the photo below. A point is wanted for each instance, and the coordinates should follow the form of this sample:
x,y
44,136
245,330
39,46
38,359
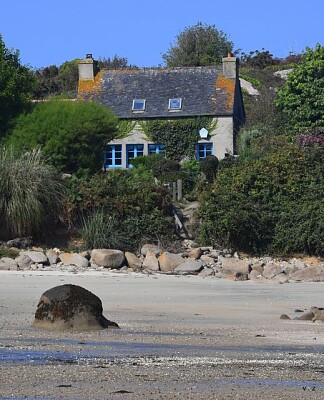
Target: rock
x,y
151,262
20,243
150,247
313,273
308,316
133,261
189,244
206,272
270,270
249,88
281,278
236,276
169,262
86,254
283,74
195,253
284,316
108,258
258,267
318,314
255,275
35,256
23,261
7,264
216,253
207,259
189,267
74,259
70,307
233,265
52,256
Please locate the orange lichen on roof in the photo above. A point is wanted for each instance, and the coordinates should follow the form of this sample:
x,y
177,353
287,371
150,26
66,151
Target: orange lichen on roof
x,y
227,86
86,88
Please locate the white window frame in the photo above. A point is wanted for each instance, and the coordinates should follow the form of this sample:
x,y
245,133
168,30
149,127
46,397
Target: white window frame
x,y
179,100
143,101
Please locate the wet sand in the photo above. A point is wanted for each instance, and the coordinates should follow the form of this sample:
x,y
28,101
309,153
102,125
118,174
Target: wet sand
x,y
180,338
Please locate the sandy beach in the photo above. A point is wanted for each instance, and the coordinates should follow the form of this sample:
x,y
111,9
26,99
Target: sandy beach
x,y
181,337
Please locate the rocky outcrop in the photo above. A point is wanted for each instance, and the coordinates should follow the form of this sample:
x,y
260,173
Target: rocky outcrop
x,y
70,307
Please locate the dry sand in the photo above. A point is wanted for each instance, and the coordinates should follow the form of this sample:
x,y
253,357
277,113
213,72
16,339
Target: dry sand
x,y
180,338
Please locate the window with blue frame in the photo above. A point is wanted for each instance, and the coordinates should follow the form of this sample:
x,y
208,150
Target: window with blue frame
x,y
133,151
113,156
203,150
156,149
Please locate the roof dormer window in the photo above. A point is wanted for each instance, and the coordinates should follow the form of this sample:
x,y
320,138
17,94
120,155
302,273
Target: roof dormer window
x,y
138,105
175,104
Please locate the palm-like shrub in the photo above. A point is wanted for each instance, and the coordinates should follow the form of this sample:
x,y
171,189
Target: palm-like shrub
x,y
30,193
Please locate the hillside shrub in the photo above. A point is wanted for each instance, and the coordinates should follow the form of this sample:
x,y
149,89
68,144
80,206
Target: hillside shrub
x,y
268,204
208,167
131,205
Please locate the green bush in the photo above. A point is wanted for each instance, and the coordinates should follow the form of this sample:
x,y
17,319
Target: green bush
x,y
269,204
208,167
30,196
71,134
135,206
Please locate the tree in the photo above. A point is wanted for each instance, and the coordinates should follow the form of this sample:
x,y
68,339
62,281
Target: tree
x,y
16,85
46,82
114,63
258,59
56,81
198,45
30,196
301,99
71,134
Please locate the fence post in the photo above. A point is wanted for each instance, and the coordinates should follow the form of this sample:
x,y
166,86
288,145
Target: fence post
x,y
174,191
179,187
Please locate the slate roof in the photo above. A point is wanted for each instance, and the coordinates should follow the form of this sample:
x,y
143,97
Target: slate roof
x,y
204,91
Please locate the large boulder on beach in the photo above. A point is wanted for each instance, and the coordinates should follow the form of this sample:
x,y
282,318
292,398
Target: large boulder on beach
x,y
108,258
235,266
70,307
169,262
74,259
35,256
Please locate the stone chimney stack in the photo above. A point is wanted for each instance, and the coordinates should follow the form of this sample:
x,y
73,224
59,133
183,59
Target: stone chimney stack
x,y
230,66
87,68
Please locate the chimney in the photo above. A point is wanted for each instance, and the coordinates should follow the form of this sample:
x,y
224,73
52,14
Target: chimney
x,y
87,68
230,66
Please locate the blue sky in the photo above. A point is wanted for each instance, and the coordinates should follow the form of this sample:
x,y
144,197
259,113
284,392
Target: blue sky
x,y
51,32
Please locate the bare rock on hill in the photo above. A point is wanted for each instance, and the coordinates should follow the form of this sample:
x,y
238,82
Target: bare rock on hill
x,y
70,307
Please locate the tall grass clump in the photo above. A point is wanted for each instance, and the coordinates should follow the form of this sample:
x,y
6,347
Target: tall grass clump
x,y
30,194
99,230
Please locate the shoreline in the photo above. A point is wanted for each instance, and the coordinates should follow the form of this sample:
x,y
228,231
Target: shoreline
x,y
180,337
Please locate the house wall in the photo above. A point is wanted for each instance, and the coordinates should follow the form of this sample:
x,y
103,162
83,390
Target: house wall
x,y
221,136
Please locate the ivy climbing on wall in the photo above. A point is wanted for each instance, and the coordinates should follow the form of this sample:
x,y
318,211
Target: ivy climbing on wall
x,y
178,135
